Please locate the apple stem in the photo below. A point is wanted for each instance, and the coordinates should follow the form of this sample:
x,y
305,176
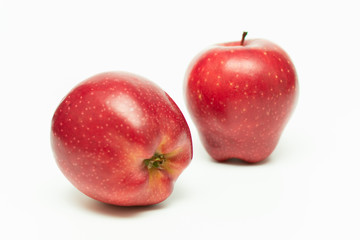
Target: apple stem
x,y
155,161
243,38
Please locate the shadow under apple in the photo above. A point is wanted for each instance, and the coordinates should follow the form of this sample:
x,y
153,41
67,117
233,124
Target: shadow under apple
x,y
240,162
95,206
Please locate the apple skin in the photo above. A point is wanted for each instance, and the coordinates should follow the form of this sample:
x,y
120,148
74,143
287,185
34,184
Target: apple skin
x,y
121,140
240,96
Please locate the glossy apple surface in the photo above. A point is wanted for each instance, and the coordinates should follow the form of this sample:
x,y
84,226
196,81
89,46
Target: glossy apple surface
x,y
120,139
240,96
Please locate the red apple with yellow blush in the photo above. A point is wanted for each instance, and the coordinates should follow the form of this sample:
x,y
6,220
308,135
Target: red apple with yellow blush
x,y
120,139
240,96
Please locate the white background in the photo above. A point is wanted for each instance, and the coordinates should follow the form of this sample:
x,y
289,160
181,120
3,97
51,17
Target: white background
x,y
307,189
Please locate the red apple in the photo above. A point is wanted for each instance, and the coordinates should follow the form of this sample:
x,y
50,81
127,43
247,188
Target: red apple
x,y
120,139
240,96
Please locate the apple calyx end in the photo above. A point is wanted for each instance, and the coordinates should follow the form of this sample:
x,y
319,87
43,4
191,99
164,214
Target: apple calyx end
x,y
156,161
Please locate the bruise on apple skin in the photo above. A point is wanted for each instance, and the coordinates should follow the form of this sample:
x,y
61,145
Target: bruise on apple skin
x,y
104,130
241,98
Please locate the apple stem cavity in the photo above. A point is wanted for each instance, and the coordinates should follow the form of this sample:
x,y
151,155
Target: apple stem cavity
x,y
243,38
155,161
